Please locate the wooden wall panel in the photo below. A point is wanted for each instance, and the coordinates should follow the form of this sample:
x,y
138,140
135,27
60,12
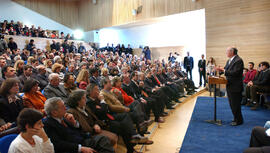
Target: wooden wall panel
x,y
244,24
108,13
62,11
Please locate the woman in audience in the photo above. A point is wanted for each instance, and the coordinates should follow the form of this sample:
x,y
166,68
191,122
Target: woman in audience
x,y
210,66
83,79
18,66
56,68
29,60
104,73
48,64
32,138
10,102
32,97
87,119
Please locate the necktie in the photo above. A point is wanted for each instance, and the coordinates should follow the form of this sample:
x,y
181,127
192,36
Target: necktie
x,y
63,123
145,94
157,80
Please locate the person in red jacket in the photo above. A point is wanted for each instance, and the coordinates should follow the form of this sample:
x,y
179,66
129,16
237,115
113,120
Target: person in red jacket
x,y
249,76
251,73
120,93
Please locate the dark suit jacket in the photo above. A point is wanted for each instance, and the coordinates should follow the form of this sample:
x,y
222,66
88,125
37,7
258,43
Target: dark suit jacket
x,y
188,62
263,78
64,139
10,111
233,73
202,64
135,91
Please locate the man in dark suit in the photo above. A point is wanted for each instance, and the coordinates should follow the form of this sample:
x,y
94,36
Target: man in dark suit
x,y
65,134
188,64
233,72
202,70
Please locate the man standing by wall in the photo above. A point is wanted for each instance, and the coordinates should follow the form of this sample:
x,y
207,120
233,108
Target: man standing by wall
x,y
202,70
233,72
188,65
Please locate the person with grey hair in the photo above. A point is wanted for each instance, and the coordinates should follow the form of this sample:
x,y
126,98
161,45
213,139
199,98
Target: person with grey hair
x,y
62,130
54,89
42,76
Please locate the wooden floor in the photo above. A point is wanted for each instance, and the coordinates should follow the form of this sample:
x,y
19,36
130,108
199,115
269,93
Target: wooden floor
x,y
168,136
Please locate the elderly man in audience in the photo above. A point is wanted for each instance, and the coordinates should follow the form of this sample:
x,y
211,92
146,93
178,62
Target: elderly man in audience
x,y
42,77
54,88
261,84
63,130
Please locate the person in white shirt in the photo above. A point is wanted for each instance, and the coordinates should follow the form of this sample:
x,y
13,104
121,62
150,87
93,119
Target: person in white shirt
x,y
32,138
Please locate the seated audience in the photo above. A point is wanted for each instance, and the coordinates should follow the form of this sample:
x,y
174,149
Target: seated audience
x,y
86,118
32,97
63,131
119,123
261,84
32,138
54,89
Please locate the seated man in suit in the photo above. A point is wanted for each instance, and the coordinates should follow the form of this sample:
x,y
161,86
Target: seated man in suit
x,y
259,141
27,74
94,76
54,89
119,123
261,83
63,131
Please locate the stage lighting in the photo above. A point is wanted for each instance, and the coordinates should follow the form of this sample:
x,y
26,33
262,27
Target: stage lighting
x,y
78,34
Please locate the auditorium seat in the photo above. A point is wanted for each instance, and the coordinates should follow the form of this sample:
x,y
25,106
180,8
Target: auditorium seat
x,y
6,141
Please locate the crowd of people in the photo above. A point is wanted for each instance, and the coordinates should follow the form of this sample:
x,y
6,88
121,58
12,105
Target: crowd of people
x,y
80,101
12,28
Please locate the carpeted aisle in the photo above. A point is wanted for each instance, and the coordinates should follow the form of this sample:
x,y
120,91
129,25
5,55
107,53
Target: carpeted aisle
x,y
202,137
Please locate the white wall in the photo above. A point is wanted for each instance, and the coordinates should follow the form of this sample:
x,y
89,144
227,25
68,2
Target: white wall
x,y
12,11
185,29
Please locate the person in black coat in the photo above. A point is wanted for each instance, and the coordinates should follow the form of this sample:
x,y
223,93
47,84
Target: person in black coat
x,y
10,103
233,72
202,70
65,134
53,45
42,77
31,46
12,44
188,65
